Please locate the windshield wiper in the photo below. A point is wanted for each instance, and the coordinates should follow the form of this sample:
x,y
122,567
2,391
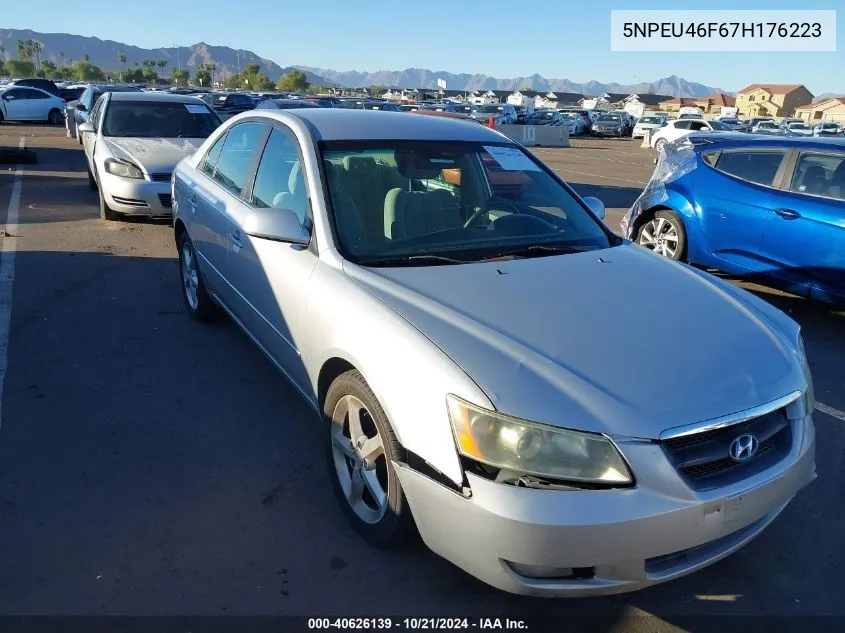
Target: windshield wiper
x,y
534,250
410,259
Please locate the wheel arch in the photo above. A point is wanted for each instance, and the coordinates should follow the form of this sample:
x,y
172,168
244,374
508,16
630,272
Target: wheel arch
x,y
179,229
648,214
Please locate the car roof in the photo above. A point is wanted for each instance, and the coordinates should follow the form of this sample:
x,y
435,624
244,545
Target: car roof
x,y
155,96
721,140
337,124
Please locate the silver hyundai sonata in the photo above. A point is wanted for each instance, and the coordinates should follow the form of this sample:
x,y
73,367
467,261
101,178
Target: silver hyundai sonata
x,y
452,311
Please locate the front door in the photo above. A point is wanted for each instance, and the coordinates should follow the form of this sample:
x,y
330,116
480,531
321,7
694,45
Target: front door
x,y
271,277
17,104
804,240
735,195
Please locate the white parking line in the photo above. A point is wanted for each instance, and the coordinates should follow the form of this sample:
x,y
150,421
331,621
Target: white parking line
x,y
834,413
7,272
581,173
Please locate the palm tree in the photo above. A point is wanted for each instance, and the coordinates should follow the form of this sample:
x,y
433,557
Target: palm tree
x,y
122,59
21,46
85,58
37,47
212,68
162,64
62,59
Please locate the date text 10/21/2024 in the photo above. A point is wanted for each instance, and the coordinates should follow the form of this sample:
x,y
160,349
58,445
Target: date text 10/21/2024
x,y
416,624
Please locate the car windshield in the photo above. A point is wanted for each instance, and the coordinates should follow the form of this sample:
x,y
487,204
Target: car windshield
x,y
570,115
719,126
450,202
767,124
729,121
490,109
610,117
150,119
651,119
544,114
799,126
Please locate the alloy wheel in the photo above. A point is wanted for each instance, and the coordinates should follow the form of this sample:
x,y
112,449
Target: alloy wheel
x,y
661,236
190,275
359,459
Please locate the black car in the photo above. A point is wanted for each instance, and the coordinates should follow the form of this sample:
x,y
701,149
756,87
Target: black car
x,y
544,116
285,104
37,82
324,102
611,125
369,104
232,103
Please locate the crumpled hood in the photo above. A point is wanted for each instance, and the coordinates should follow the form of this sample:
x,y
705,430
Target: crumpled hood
x,y
618,341
154,155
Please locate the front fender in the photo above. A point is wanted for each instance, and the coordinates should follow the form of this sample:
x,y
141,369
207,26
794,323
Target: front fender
x,y
407,372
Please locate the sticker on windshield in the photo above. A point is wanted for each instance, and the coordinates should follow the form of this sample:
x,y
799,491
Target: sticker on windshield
x,y
197,109
511,159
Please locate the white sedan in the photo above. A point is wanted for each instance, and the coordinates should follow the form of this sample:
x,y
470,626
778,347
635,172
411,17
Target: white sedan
x,y
30,104
678,128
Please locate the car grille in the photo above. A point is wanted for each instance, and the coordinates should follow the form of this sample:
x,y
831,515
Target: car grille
x,y
704,460
166,200
160,177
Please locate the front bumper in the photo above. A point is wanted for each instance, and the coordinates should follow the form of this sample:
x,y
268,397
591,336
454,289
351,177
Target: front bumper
x,y
607,132
136,197
628,539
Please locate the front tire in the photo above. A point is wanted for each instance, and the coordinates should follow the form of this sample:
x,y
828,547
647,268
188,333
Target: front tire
x,y
198,302
360,449
664,234
92,182
106,212
660,145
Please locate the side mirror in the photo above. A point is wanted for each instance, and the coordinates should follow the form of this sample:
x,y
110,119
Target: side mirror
x,y
81,107
596,206
278,225
86,127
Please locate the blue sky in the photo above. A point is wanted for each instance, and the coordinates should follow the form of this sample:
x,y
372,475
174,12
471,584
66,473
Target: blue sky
x,y
568,39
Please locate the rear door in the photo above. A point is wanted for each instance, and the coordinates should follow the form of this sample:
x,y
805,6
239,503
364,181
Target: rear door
x,y
216,195
89,139
734,189
804,240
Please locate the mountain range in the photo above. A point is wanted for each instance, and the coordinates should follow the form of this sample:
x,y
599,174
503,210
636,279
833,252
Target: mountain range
x,y
64,48
422,78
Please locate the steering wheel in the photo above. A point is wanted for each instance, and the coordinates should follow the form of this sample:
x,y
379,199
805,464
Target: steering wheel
x,y
492,202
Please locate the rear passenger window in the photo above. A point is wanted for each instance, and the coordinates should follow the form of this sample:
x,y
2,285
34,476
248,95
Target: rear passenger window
x,y
236,156
753,166
210,161
820,175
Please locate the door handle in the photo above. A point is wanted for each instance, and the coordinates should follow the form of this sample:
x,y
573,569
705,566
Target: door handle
x,y
788,214
192,202
235,236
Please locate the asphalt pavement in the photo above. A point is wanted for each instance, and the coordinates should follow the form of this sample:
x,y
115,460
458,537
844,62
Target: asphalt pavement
x,y
153,466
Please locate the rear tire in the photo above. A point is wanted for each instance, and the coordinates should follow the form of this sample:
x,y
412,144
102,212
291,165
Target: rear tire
x,y
92,182
660,145
55,117
664,234
198,302
360,449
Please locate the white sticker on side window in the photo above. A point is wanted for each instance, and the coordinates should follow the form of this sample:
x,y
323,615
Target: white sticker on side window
x,y
197,109
511,159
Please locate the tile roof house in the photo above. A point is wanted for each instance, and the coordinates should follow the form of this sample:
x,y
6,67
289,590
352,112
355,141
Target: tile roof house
x,y
775,100
832,110
676,103
713,104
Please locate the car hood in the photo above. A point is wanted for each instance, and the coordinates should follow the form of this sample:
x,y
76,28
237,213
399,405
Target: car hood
x,y
154,155
618,341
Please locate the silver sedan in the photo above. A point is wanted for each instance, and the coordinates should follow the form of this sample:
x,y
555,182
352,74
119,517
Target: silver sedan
x,y
133,141
451,310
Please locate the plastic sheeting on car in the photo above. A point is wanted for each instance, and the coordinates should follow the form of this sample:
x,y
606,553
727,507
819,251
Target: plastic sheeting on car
x,y
676,160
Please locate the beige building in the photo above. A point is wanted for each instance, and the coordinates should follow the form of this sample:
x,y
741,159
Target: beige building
x,y
713,104
832,110
775,100
673,105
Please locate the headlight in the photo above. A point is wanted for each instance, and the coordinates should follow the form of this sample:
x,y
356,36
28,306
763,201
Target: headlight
x,y
123,168
526,447
810,393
